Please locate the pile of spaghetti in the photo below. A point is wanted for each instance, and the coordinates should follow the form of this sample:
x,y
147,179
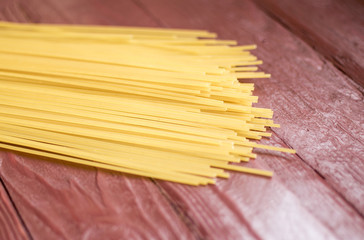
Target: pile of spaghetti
x,y
160,103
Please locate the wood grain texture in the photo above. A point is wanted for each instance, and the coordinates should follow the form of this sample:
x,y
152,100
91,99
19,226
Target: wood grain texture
x,y
64,201
334,28
110,12
11,227
319,108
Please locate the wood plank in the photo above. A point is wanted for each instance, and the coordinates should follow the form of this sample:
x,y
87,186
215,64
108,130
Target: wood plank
x,y
80,11
11,227
320,112
334,28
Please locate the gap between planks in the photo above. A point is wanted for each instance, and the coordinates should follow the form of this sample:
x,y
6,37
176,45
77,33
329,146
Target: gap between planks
x,y
322,177
19,217
310,38
182,215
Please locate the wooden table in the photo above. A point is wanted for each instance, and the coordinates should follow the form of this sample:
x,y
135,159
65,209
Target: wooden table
x,y
315,53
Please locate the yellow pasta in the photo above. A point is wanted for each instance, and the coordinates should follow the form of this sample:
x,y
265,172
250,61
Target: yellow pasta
x,y
159,103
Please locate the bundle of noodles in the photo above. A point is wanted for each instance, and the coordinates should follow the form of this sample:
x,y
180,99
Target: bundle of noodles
x,y
160,103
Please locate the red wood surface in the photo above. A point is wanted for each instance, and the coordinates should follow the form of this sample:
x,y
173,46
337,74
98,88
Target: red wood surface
x,y
335,28
62,201
10,223
316,194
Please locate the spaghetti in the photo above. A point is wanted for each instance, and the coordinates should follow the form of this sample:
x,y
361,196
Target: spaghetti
x,y
160,103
